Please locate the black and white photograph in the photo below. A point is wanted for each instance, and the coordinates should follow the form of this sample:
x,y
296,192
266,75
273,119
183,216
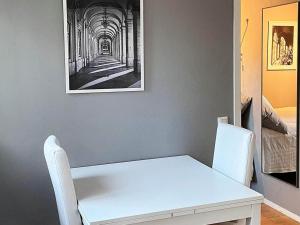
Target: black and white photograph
x,y
282,47
104,45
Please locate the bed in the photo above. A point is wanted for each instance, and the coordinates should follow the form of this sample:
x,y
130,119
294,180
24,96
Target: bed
x,y
279,151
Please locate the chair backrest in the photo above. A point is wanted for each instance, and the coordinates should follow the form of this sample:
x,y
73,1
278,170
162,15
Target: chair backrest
x,y
60,173
233,156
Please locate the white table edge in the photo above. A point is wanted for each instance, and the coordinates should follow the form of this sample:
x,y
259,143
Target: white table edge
x,y
170,213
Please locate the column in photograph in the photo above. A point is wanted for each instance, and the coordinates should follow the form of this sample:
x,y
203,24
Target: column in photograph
x,y
114,49
90,47
136,40
75,41
139,45
78,34
71,46
85,43
101,41
111,48
79,48
116,46
121,44
93,47
124,43
96,47
130,40
119,47
100,45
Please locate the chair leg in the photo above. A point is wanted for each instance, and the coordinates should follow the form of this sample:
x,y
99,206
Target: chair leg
x,y
256,214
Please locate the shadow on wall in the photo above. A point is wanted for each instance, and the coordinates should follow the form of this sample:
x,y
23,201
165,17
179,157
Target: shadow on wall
x,y
17,180
248,123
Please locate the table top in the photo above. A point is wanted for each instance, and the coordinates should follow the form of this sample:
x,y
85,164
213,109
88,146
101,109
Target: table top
x,y
156,187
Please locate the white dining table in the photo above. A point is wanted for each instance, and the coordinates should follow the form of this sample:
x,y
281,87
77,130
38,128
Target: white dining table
x,y
165,191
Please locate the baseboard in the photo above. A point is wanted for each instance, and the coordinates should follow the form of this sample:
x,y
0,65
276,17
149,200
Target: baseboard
x,y
282,210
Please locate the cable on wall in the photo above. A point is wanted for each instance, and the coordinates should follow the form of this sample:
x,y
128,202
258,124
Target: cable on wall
x,y
242,42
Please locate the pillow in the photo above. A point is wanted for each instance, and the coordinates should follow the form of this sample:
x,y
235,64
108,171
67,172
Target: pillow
x,y
245,103
270,119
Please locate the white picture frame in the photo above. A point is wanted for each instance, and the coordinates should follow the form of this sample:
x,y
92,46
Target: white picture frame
x,y
92,86
286,32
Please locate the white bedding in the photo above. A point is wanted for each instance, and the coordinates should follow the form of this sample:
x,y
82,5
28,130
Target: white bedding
x,y
289,117
279,150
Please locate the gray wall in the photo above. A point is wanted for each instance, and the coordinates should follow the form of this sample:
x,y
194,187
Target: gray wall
x,y
189,82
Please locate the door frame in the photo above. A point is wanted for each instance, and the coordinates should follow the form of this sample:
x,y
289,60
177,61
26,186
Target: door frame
x,y
237,62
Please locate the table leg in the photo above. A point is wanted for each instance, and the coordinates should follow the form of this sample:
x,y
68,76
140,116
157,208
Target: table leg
x,y
255,215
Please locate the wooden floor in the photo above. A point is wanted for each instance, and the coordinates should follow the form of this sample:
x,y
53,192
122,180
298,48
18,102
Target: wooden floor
x,y
272,217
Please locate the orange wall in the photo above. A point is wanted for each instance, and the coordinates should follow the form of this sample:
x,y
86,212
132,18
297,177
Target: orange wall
x,y
280,87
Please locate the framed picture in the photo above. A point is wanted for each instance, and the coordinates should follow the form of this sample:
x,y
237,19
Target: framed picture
x,y
104,48
282,45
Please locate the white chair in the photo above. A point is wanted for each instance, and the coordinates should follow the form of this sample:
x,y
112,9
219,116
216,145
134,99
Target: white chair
x,y
233,156
60,173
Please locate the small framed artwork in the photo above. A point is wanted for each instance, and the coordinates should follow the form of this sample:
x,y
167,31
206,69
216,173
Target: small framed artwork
x,y
104,45
282,45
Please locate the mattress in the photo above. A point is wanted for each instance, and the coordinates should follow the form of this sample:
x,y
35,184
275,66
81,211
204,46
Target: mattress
x,y
279,151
